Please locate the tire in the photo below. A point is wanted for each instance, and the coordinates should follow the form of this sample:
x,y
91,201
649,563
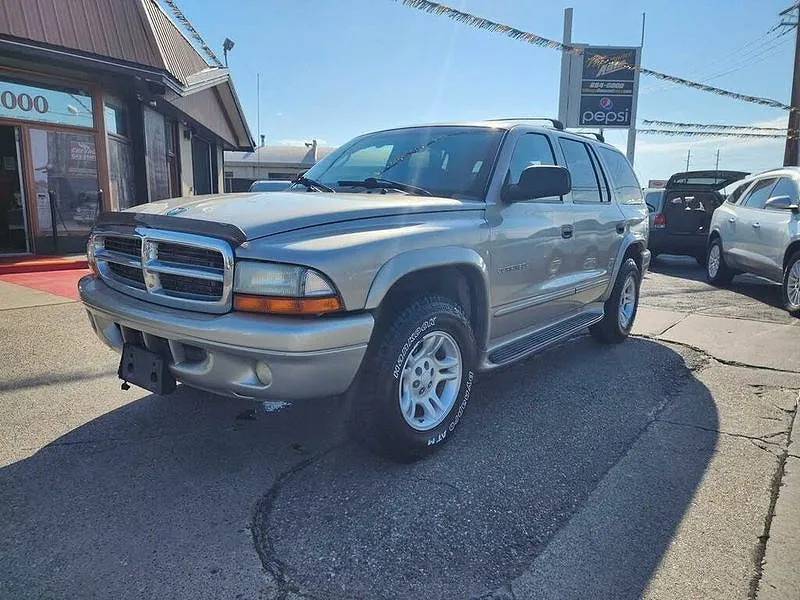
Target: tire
x,y
791,285
701,259
620,308
717,272
389,414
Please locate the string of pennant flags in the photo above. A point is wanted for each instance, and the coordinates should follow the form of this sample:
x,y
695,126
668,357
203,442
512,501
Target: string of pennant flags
x,y
710,126
476,22
727,134
192,31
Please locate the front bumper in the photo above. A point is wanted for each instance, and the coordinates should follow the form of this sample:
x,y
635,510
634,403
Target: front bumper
x,y
307,358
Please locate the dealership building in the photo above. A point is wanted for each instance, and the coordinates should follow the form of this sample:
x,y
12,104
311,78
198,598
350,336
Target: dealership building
x,y
104,104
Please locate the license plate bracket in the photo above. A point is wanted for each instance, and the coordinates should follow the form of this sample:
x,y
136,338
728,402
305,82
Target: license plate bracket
x,y
146,369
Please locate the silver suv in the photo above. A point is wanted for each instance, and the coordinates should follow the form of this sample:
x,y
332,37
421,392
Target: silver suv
x,y
396,269
757,230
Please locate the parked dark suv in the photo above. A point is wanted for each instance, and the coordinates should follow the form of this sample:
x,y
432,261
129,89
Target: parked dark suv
x,y
680,214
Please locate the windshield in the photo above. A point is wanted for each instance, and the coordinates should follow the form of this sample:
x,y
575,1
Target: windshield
x,y
453,162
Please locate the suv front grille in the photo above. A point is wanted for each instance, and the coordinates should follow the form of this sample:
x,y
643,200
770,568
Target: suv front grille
x,y
187,255
170,268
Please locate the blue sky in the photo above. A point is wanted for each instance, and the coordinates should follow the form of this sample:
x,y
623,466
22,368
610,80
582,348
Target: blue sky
x,y
332,69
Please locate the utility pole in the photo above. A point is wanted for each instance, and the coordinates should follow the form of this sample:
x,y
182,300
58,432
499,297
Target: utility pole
x,y
790,156
717,167
688,156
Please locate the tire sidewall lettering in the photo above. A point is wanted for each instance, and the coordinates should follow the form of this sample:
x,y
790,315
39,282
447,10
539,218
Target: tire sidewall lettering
x,y
441,435
410,343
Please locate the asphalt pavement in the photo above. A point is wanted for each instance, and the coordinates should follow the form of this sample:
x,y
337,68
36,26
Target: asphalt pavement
x,y
651,469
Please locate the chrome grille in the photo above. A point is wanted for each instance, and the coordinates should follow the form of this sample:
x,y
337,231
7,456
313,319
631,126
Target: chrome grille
x,y
174,269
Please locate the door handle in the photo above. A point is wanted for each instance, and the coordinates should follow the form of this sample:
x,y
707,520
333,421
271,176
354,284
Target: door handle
x,y
757,225
566,231
731,219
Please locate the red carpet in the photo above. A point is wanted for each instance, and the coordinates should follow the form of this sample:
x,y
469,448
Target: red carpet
x,y
61,282
35,264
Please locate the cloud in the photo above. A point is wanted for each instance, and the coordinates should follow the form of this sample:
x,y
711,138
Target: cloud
x,y
298,142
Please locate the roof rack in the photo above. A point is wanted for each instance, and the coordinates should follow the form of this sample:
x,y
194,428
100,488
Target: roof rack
x,y
556,123
598,136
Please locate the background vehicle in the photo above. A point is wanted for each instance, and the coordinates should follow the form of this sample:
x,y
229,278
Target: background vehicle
x,y
758,230
680,214
270,185
397,268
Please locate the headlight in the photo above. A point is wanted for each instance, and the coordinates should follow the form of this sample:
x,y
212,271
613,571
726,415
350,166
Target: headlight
x,y
282,289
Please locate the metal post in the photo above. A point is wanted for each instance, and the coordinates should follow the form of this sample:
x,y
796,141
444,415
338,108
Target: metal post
x,y
688,157
790,156
635,101
717,167
566,61
53,222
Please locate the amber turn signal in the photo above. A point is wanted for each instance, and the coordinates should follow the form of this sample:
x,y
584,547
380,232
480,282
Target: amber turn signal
x,y
286,306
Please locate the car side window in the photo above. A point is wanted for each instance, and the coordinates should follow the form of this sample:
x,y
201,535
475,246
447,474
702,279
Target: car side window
x,y
585,181
734,196
653,201
759,193
532,149
785,187
623,179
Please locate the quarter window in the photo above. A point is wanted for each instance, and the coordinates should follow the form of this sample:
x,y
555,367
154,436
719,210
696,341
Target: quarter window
x,y
759,193
585,183
623,179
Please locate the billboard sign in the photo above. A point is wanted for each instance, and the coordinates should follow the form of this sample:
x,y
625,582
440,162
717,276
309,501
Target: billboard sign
x,y
599,94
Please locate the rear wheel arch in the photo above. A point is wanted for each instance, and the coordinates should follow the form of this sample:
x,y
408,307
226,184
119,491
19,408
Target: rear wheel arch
x,y
634,250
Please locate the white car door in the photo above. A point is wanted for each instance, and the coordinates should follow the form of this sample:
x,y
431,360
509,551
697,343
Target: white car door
x,y
771,232
743,244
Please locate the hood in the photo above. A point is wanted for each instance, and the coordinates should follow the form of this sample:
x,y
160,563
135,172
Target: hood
x,y
711,181
261,214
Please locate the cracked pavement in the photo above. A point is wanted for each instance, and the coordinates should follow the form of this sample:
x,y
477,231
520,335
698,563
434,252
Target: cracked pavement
x,y
661,468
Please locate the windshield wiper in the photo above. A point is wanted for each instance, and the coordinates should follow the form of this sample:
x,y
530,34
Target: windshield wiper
x,y
374,183
313,185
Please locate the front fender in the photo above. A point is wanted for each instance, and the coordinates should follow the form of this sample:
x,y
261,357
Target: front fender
x,y
425,258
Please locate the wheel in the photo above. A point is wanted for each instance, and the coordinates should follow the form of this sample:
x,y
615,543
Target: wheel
x,y
415,382
717,272
621,306
791,285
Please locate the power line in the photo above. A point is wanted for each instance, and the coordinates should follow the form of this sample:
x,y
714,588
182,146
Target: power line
x,y
729,134
537,40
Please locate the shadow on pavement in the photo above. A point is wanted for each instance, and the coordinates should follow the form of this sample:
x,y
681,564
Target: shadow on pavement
x,y
754,287
155,498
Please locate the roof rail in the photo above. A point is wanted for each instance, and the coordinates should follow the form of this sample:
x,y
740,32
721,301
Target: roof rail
x,y
598,136
556,123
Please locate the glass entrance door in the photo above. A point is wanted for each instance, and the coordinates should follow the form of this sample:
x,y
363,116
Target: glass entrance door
x,y
13,218
67,194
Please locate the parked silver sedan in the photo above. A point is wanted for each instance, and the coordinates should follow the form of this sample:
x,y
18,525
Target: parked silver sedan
x,y
757,230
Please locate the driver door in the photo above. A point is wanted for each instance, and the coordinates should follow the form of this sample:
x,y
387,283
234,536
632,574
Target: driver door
x,y
531,282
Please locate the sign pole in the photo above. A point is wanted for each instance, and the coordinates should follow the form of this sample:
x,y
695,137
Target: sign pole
x,y
635,101
566,63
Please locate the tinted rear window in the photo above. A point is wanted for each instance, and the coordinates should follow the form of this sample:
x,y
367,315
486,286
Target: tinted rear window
x,y
623,179
653,201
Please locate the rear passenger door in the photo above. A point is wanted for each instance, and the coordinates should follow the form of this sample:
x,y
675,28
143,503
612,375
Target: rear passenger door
x,y
598,223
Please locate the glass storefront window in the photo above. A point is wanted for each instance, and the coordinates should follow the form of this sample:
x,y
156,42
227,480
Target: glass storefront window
x,y
64,173
120,171
32,103
116,118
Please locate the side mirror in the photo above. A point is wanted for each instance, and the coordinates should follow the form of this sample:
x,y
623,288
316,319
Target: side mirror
x,y
539,181
782,203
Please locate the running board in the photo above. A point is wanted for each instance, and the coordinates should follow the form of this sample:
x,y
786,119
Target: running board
x,y
541,339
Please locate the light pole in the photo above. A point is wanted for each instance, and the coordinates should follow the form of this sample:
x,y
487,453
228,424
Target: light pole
x,y
227,45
